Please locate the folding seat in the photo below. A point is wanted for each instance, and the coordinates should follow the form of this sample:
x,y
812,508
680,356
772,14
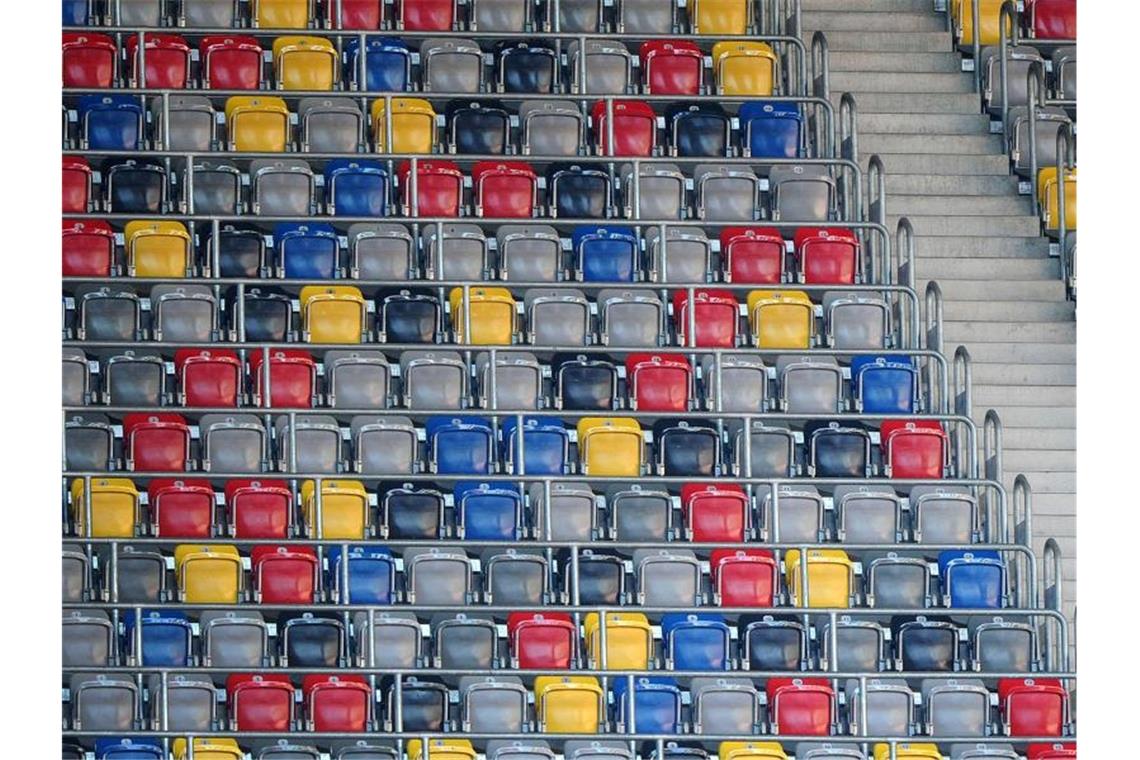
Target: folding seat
x,y
640,514
89,60
110,122
572,513
695,641
259,702
998,645
478,128
982,750
88,249
387,64
944,514
330,125
635,128
827,256
395,640
363,749
894,581
683,255
333,314
605,254
135,187
914,449
745,68
551,128
770,643
659,193
371,575
716,514
557,317
230,62
501,16
859,320
801,193
1064,62
258,123
860,645
925,644
190,703
284,749
504,190
464,642
141,575
497,705
438,192
569,704
132,380
1020,59
77,188
838,450
357,379
433,379
166,638
193,122
610,446
830,577
76,13
107,313
749,750
801,706
956,707
88,639
436,576
104,702
337,703
380,251
384,445
654,707
157,442
283,187
1033,707
885,384
716,316
810,385
318,445
889,705
285,575
667,578
744,577
1050,119
358,15
77,579
817,750
575,192
529,253
114,748
345,509
233,639
514,577
1054,751
487,512
600,579
217,188
672,67
158,249
868,514
208,378
752,254
526,67
659,382
304,63
771,130
281,14
183,313
455,252
593,749
167,59
698,130
427,16
208,574
1048,197
542,640
233,443
308,641
181,508
78,384
292,376
356,188
544,446
410,318
972,579
729,193
1052,19
451,64
213,748
781,319
724,706
517,381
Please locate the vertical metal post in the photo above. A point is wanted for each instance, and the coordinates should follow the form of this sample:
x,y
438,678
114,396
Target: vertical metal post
x,y
137,643
413,182
663,242
833,640
165,131
340,13
398,696
582,89
975,16
88,511
362,72
239,308
318,508
342,571
140,71
113,570
804,576
1034,90
266,379
165,689
216,254
465,317
631,716
603,640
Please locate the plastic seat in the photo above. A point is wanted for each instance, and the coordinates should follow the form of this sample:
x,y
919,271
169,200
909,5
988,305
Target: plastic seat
x,y
637,514
356,188
478,128
1000,645
76,13
136,187
868,514
695,641
292,376
233,639
557,317
394,640
889,707
724,706
337,703
721,17
858,320
801,193
727,193
752,254
1064,61
885,384
895,581
103,702
750,750
380,251
258,124
213,748
408,318
827,256
318,445
233,443
914,449
282,187
309,641
495,704
167,59
1054,751
281,14
439,189
242,252
575,192
667,578
284,575
501,16
193,122
1050,119
810,385
259,702
515,577
635,128
427,15
524,66
925,644
544,442
230,62
605,254
572,513
158,442
744,577
801,706
462,445
504,190
630,318
113,748
411,513
859,644
487,512
158,249
683,255
76,574
656,702
1052,19
304,63
672,67
359,15
183,313
332,314
956,707
551,128
1048,197
455,252
838,450
88,639
658,382
259,508
629,641
972,579
433,379
715,514
357,379
745,68
436,576
600,580
542,640
687,448
89,60
569,704
77,187
181,508
716,316
981,750
517,382
660,192
110,122
1020,59
384,445
781,319
576,16
464,642
166,638
830,577
800,510
412,125
1033,707
130,379
141,575
106,313
771,130
208,574
944,514
451,64
345,509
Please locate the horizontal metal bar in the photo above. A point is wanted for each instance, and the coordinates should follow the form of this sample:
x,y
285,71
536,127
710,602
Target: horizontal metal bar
x,y
464,158
502,97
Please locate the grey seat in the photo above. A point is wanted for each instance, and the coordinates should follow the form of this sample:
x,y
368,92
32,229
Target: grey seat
x,y
234,639
139,13
529,252
577,16
107,313
1019,58
88,442
76,573
685,255
515,749
1050,119
103,702
517,380
208,13
661,192
595,749
646,17
282,187
557,317
461,254
944,514
217,188
331,125
608,67
801,513
383,445
501,15
772,451
955,707
77,386
130,379
724,706
183,313
141,575
357,379
433,379
497,704
856,320
381,251
810,384
572,513
191,704
999,645
868,514
286,749
396,640
233,443
88,639
437,576
667,578
638,514
464,641
801,193
1065,72
860,644
726,192
515,577
630,318
895,581
362,749
551,128
889,703
193,123
451,64
982,750
318,440
820,750
742,387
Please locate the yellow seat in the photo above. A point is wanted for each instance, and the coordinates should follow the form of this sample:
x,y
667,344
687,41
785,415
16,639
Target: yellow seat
x,y
492,316
610,446
781,319
333,314
830,574
304,63
629,641
114,507
744,68
211,748
721,17
413,126
257,123
282,14
1050,202
209,574
989,21
751,751
441,749
157,249
568,704
916,751
344,508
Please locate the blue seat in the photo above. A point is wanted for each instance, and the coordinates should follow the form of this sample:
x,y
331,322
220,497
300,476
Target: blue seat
x,y
657,705
356,188
605,254
75,14
387,63
460,445
771,130
111,122
166,637
488,511
123,748
371,574
696,641
307,251
885,384
972,578
545,442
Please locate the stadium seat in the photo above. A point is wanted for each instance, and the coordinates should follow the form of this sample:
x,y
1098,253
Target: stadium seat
x,y
408,318
683,255
387,64
943,514
744,577
1020,59
635,128
487,512
166,638
381,251
258,124
801,513
77,578
830,577
439,189
129,379
868,513
745,68
1000,645
383,445
104,702
752,254
801,706
208,378
672,67
193,123
925,644
695,641
909,751
426,16
542,640
436,576
230,62
1033,707
292,375
858,320
557,317
451,64
282,187
1054,751
972,579
356,188
687,449
113,748
504,190
157,442
107,313
601,578
773,451
816,750
569,704
1050,203
358,15
77,190
525,66
770,130
463,641
838,450
781,319
135,187
88,639
629,641
284,575
461,445
281,14
433,379
345,509
158,249
605,254
181,508
141,575
715,514
395,641
337,703
551,128
496,704
802,193
412,124
183,313
517,381
659,382
698,130
217,188
212,748
304,63
610,446
750,750
667,578
357,379
810,385
724,706
1050,119
190,703
859,644
544,442
110,122
76,13
956,707
1065,67
425,708
884,384
455,252
259,702
572,513
208,574
478,128
90,60
490,315
716,316
78,382
914,449
332,314
640,514
655,709
440,749
514,577
895,581
233,443
609,67
827,256
728,193
1052,19
988,21
259,508
309,641
167,61
501,16
579,193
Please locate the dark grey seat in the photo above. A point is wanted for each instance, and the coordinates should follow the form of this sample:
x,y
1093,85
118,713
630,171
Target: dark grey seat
x,y
104,702
684,256
88,639
433,379
89,442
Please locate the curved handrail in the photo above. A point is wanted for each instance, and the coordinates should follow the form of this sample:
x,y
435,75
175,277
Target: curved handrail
x,y
1007,15
821,88
1035,93
905,275
1053,594
848,129
963,383
1066,162
1021,525
876,211
932,337
993,433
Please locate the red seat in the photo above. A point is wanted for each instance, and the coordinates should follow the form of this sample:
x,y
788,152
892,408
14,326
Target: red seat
x,y
717,317
76,185
744,577
913,448
88,248
259,702
1033,706
292,377
439,188
504,189
801,706
208,377
259,508
541,640
672,67
1056,751
285,574
1053,19
337,703
752,254
658,382
156,442
635,128
181,508
428,15
715,512
827,256
167,61
359,14
88,60
230,63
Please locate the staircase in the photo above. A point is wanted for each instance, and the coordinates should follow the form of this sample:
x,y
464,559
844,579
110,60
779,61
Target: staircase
x,y
974,235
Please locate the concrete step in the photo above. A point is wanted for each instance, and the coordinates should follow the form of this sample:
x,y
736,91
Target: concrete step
x,y
1037,353
1032,439
856,60
877,41
900,83
1007,311
921,163
1018,461
972,205
878,6
958,226
921,123
1002,396
1024,374
972,246
1011,268
987,186
1055,526
999,289
939,144
854,20
1052,482
1038,416
910,102
968,332
1052,504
